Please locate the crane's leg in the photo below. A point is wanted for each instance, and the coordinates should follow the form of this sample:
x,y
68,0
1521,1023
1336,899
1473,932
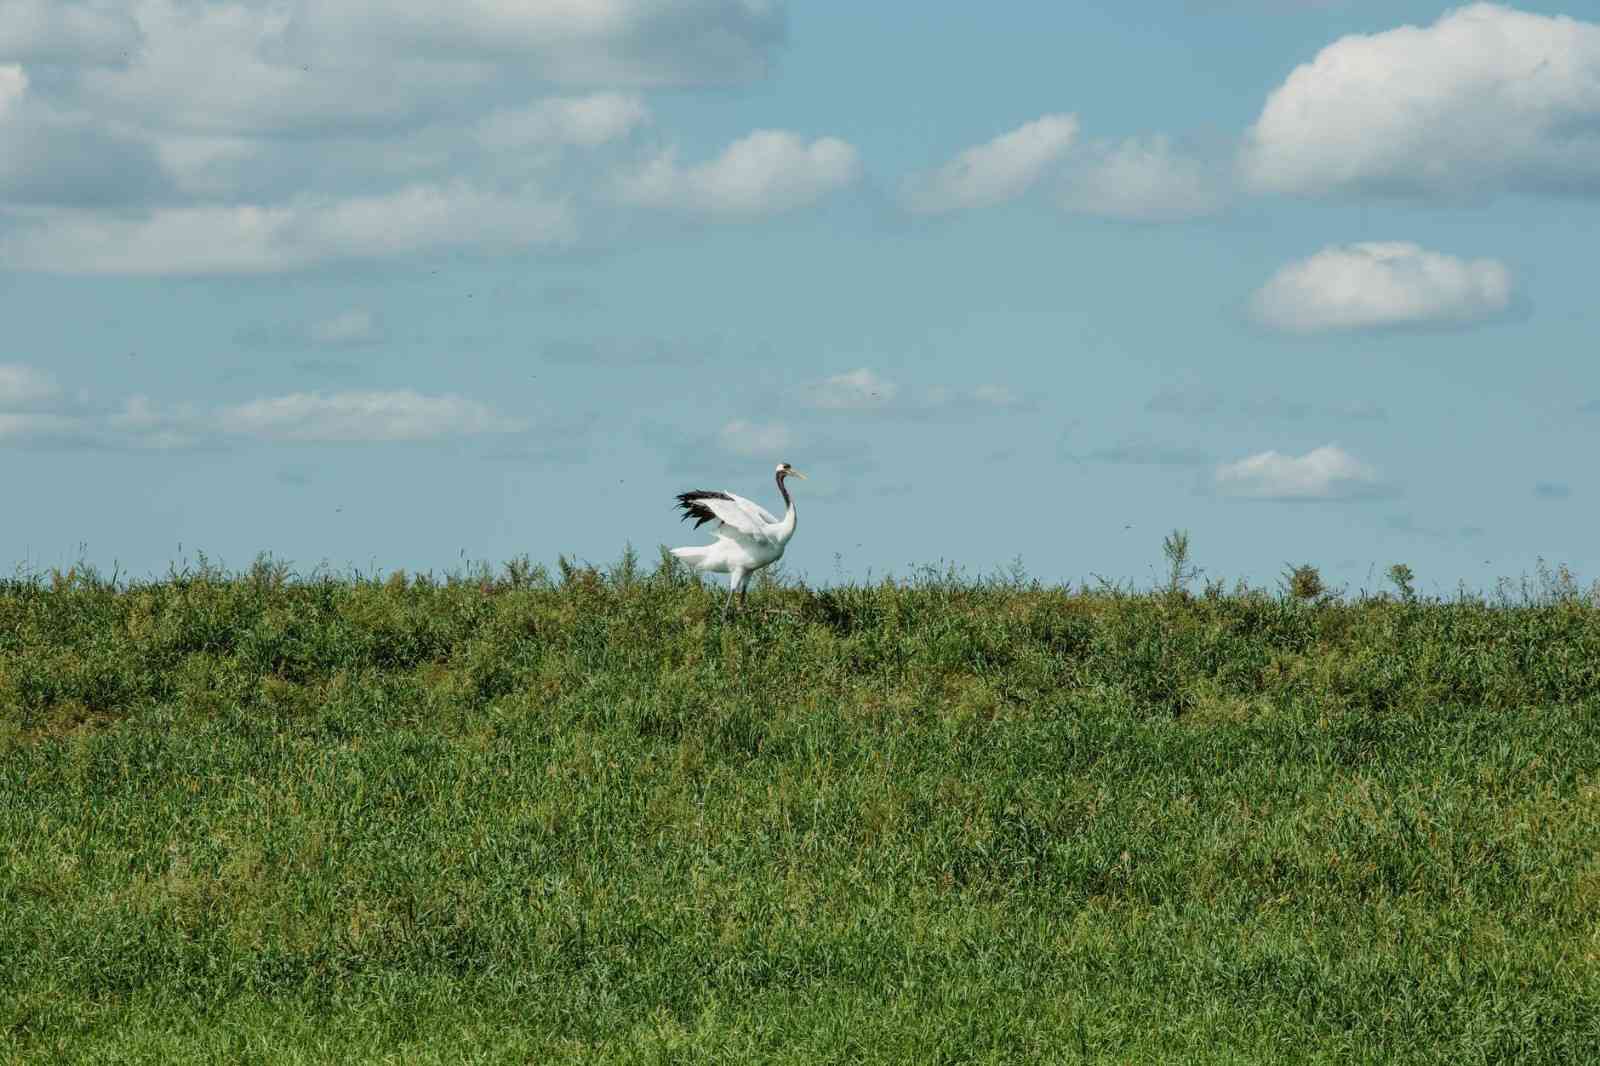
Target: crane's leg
x,y
735,582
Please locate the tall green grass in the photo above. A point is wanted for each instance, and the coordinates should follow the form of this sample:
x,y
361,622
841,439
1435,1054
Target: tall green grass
x,y
573,817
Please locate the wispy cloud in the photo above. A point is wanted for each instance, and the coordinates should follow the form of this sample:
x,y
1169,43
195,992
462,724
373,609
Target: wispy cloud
x,y
135,424
865,391
1140,179
23,386
1438,534
13,85
627,351
401,415
1147,451
254,238
39,418
1203,402
855,390
36,427
994,172
767,440
351,328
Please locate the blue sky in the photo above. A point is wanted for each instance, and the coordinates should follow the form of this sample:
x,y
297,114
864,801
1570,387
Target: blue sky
x,y
402,284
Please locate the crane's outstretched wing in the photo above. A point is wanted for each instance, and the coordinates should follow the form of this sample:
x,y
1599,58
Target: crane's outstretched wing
x,y
753,509
736,517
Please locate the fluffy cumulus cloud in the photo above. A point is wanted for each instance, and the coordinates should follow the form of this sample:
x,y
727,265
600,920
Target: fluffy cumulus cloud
x,y
767,172
1325,473
1141,179
164,136
1487,98
998,170
1381,284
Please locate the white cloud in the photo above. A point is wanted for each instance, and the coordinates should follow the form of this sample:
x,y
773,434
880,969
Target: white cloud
x,y
856,390
588,121
169,136
24,386
997,396
254,238
1325,473
139,423
766,172
28,427
436,216
943,398
863,391
754,440
1140,179
1486,98
34,412
401,415
230,67
1378,284
590,42
57,31
999,170
351,328
13,86
142,423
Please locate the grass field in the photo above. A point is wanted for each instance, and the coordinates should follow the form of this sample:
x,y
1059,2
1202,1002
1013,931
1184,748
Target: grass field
x,y
259,818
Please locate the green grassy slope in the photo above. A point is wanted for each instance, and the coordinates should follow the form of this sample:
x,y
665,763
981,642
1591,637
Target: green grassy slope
x,y
255,819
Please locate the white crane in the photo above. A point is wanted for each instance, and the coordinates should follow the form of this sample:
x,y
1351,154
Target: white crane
x,y
749,537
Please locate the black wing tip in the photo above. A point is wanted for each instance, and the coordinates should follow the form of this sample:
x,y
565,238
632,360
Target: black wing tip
x,y
692,508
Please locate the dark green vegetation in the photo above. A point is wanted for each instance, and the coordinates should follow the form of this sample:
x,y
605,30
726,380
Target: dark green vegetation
x,y
255,818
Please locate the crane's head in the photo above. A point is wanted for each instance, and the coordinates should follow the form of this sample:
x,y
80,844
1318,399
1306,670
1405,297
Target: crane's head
x,y
785,470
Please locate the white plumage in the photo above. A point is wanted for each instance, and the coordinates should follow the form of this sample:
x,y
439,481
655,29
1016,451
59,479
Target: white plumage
x,y
749,536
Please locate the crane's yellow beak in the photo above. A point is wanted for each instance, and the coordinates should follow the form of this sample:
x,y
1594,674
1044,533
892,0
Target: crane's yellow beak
x,y
796,473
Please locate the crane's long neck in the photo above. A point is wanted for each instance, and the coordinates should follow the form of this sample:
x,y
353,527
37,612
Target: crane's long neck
x,y
786,527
